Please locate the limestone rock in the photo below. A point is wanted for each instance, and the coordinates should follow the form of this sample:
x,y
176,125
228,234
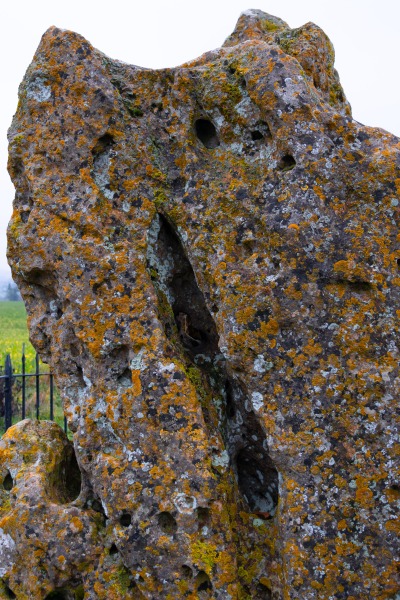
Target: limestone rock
x,y
209,257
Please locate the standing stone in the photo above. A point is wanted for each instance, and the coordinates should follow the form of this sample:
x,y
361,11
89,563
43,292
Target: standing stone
x,y
209,256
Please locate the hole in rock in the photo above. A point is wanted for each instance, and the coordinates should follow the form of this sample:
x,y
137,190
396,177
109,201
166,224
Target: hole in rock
x,y
8,483
203,516
203,582
256,135
65,594
71,477
104,143
398,262
187,572
287,163
167,522
41,278
359,286
125,378
113,550
125,519
206,132
263,592
258,480
96,505
79,377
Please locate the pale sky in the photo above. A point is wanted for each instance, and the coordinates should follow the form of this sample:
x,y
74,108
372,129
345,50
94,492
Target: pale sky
x,y
166,33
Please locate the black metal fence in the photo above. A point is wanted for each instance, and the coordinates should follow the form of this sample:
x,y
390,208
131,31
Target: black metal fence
x,y
13,404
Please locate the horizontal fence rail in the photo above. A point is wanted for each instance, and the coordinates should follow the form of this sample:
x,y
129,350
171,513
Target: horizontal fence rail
x,y
10,408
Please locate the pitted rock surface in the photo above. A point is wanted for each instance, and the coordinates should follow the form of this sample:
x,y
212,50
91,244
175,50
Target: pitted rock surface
x,y
209,256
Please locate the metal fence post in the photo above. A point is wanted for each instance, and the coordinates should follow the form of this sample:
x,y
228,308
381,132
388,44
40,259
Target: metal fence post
x,y
51,398
23,364
8,372
37,373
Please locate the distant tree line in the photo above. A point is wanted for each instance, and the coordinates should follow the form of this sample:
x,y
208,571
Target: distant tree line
x,y
11,293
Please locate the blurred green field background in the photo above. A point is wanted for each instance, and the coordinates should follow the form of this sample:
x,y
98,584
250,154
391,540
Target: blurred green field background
x,y
14,334
14,338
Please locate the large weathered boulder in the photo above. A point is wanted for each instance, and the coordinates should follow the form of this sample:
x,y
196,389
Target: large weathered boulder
x,y
209,256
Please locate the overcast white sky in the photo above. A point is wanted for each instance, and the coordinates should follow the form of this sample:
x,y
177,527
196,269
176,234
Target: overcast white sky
x,y
160,33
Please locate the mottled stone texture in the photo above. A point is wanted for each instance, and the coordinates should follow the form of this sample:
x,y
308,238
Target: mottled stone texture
x,y
209,256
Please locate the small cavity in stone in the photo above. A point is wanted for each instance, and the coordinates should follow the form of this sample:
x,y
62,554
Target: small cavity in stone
x,y
187,572
287,163
203,582
125,519
256,135
64,594
167,522
207,134
8,483
203,515
72,478
263,592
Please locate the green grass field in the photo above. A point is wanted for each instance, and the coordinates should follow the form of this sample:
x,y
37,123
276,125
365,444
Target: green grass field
x,y
14,338
14,335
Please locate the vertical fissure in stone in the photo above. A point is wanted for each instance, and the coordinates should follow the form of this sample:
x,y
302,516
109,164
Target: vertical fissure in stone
x,y
256,474
192,333
183,310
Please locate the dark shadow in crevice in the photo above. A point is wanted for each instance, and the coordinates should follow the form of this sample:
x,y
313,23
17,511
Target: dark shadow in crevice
x,y
263,592
187,572
41,278
192,332
103,144
203,582
125,519
8,482
258,480
93,503
287,163
203,516
71,593
68,481
7,590
167,523
194,324
207,133
261,132
256,474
